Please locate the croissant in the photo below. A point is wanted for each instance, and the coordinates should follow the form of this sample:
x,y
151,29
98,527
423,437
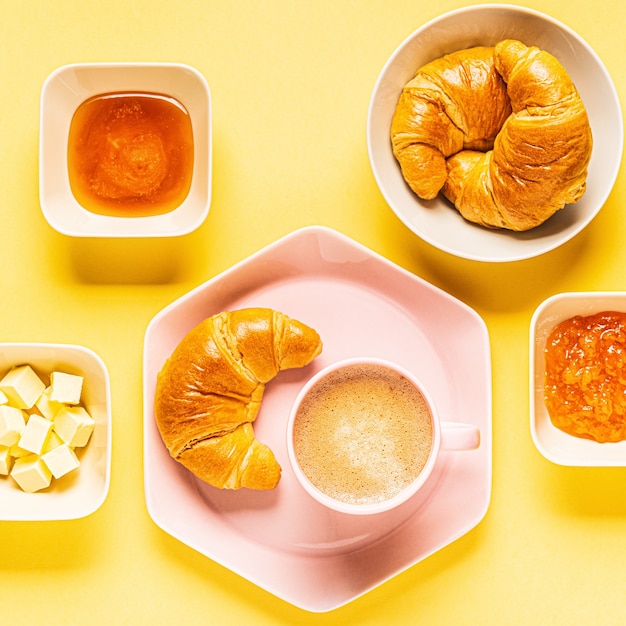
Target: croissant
x,y
209,392
541,147
454,103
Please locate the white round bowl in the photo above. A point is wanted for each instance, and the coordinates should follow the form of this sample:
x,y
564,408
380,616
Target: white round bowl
x,y
62,93
437,221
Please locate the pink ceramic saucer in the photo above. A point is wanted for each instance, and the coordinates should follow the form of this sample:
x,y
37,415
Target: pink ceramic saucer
x,y
362,305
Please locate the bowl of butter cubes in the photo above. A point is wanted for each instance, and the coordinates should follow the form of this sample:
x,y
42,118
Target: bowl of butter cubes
x,y
55,432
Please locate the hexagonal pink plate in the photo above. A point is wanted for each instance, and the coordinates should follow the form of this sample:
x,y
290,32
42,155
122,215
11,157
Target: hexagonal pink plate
x,y
361,304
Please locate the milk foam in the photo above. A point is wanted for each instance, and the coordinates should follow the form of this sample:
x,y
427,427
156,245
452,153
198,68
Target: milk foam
x,y
362,434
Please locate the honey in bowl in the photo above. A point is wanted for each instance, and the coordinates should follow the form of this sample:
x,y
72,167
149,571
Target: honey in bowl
x,y
130,154
585,376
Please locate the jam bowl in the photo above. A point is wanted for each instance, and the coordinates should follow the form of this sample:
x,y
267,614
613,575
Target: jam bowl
x,y
125,149
576,316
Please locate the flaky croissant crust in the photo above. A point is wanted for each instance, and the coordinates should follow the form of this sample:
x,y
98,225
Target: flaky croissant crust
x,y
502,132
209,392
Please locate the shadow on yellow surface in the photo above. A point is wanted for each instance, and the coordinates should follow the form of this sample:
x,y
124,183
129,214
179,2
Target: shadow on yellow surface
x,y
505,287
129,261
54,545
586,491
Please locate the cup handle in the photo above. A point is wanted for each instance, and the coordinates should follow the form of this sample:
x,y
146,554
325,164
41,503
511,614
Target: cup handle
x,y
459,436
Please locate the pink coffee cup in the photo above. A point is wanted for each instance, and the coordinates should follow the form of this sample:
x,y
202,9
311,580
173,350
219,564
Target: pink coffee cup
x,y
364,435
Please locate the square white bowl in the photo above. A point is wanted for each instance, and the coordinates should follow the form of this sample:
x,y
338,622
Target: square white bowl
x,y
554,444
83,491
68,87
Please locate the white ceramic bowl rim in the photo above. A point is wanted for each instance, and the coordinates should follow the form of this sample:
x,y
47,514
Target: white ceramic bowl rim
x,y
555,445
437,222
88,489
70,85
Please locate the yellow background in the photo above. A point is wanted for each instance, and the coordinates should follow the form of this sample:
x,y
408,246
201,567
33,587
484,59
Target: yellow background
x,y
290,82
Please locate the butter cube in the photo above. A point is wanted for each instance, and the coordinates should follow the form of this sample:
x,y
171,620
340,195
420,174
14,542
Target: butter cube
x,y
5,460
61,460
12,423
22,386
31,473
35,434
3,398
66,388
74,425
46,406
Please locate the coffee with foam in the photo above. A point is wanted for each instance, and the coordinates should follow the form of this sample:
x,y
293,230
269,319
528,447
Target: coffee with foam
x,y
363,433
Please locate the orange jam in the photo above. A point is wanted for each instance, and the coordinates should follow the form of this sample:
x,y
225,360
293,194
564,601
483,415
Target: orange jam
x,y
130,154
585,380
